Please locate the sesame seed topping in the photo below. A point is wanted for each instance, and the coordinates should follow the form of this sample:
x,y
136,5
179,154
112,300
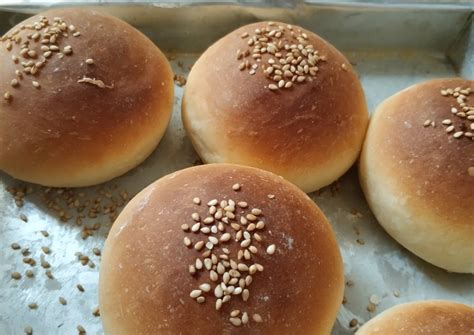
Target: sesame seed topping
x,y
36,84
229,276
89,61
257,318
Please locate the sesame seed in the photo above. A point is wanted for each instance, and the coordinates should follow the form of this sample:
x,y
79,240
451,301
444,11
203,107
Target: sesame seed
x,y
236,187
447,122
28,330
245,294
187,241
218,304
16,275
257,318
14,83
195,293
374,299
273,87
449,129
353,323
33,305
35,84
62,301
371,307
271,249
454,110
89,61
197,201
212,202
80,287
225,237
81,329
201,299
7,96
235,322
458,134
235,313
195,217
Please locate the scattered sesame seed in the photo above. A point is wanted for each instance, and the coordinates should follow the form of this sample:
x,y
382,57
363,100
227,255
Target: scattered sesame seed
x,y
16,275
36,84
62,301
96,312
89,61
33,305
236,187
197,201
15,246
374,299
80,287
257,318
353,323
28,330
81,329
271,249
7,96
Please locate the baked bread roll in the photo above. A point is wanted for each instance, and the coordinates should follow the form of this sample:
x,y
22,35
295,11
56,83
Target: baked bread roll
x,y
266,262
417,171
276,97
433,317
85,97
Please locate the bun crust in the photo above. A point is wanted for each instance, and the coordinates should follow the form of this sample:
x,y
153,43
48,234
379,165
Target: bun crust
x,y
417,179
310,133
145,284
67,133
434,317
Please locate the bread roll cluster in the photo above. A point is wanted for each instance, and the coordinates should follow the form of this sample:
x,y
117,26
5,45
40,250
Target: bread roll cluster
x,y
229,248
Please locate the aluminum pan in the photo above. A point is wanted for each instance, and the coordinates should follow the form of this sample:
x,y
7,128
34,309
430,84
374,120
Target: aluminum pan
x,y
390,50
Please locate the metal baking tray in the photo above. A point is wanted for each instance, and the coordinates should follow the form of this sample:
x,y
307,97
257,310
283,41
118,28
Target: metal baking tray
x,y
392,46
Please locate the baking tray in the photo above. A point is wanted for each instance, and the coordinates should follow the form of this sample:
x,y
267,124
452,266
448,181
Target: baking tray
x,y
391,46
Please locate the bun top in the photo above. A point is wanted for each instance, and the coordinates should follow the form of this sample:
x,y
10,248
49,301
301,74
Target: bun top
x,y
318,114
435,317
287,279
426,150
77,87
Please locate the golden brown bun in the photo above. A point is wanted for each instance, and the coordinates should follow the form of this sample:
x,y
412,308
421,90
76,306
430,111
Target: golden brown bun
x,y
433,317
68,133
417,179
310,133
145,284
